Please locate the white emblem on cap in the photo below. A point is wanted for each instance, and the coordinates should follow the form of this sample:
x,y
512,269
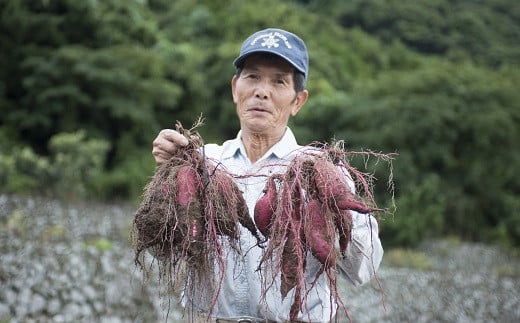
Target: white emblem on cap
x,y
270,41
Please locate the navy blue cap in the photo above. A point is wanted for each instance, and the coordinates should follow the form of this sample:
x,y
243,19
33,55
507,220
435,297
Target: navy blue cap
x,y
278,42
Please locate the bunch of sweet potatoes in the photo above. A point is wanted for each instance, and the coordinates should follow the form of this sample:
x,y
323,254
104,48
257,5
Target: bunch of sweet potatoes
x,y
308,210
189,205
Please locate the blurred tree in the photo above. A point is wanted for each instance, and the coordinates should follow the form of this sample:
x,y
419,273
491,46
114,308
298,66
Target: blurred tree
x,y
486,32
457,124
121,70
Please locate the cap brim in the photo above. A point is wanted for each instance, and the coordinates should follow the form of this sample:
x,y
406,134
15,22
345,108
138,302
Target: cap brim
x,y
239,61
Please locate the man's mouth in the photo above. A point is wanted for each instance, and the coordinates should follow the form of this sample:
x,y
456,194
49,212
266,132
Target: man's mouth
x,y
258,109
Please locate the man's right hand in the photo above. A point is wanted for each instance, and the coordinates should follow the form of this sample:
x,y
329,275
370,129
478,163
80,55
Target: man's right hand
x,y
165,145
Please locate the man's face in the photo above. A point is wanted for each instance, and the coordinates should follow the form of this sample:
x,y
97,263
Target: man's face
x,y
264,94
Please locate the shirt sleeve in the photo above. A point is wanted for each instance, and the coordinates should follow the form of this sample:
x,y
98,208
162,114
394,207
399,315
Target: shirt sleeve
x,y
364,252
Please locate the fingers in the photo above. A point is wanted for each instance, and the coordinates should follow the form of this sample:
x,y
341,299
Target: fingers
x,y
165,145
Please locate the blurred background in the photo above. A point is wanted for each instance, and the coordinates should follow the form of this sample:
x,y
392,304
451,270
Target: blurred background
x,y
85,86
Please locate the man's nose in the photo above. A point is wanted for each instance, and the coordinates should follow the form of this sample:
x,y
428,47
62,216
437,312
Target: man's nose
x,y
262,91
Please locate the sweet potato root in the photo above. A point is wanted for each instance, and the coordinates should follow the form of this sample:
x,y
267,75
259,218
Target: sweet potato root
x,y
188,185
293,255
343,222
289,277
315,184
334,190
320,234
231,200
265,207
187,207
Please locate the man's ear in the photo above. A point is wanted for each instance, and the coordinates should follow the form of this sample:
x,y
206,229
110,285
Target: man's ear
x,y
299,101
233,86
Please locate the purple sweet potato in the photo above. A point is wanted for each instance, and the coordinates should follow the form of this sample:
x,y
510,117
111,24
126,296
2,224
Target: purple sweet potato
x,y
265,207
318,233
187,184
334,190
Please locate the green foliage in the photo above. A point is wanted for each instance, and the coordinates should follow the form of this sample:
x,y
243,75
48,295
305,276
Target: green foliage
x,y
55,232
23,170
482,31
456,122
407,258
68,172
76,160
101,244
116,81
434,81
15,223
128,179
410,225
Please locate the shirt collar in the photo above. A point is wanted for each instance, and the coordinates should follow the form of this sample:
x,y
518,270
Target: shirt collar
x,y
282,148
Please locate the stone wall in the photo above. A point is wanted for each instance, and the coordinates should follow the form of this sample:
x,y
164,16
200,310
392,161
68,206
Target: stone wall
x,y
72,262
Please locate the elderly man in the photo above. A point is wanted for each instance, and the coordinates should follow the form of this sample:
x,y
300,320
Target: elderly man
x,y
268,88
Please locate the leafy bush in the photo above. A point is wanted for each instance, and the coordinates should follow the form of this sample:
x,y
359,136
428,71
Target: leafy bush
x,y
74,163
